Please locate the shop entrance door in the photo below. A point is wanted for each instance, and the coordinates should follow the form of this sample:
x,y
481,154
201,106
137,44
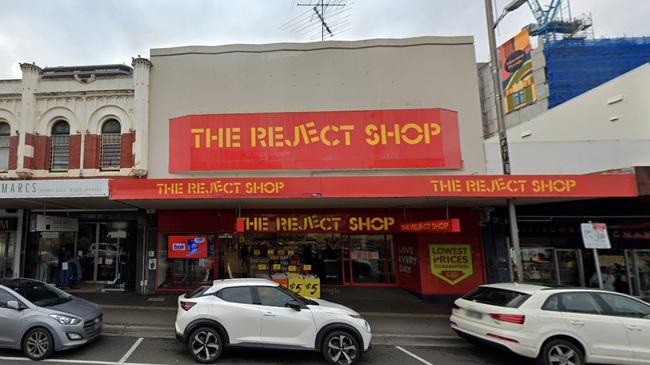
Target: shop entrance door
x,y
104,251
569,267
7,254
368,260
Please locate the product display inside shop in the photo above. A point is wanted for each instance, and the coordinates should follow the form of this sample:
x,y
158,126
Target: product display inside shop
x,y
300,261
328,259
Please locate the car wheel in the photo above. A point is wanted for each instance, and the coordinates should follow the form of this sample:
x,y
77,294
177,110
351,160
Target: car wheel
x,y
205,345
561,352
340,348
38,344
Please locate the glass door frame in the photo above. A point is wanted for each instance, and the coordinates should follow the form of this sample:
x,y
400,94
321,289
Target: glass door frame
x,y
8,260
348,246
581,270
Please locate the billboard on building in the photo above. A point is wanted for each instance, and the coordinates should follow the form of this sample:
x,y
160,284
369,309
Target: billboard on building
x,y
365,139
516,69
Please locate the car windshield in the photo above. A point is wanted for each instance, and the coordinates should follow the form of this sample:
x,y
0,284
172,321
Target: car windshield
x,y
41,294
306,301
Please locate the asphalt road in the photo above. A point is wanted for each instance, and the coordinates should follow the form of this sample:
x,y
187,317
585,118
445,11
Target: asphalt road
x,y
116,350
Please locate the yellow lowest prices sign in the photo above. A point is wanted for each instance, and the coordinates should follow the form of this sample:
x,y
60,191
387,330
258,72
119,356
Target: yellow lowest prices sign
x,y
451,263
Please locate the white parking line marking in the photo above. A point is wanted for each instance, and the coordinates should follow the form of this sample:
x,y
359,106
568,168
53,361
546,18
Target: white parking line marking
x,y
131,350
67,361
416,357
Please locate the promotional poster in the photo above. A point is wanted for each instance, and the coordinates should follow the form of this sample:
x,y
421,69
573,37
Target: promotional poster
x,y
187,247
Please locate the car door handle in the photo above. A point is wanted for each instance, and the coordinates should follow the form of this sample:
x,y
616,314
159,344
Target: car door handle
x,y
634,328
269,314
577,323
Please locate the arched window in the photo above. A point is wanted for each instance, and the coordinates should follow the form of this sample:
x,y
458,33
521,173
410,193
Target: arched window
x,y
111,145
60,150
5,135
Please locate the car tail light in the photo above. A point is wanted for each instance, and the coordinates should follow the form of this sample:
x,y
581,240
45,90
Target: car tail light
x,y
510,318
503,338
187,305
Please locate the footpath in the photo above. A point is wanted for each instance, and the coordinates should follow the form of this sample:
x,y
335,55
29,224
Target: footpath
x,y
396,317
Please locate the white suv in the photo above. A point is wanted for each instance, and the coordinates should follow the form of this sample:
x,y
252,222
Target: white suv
x,y
261,313
558,326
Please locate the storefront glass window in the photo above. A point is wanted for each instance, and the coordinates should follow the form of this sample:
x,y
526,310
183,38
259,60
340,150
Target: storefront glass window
x,y
7,253
276,254
643,272
49,254
185,260
569,263
371,259
613,267
539,265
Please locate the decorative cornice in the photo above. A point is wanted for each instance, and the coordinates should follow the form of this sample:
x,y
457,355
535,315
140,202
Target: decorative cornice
x,y
81,94
30,67
140,61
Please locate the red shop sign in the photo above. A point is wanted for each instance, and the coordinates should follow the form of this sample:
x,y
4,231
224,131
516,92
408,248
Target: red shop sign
x,y
346,223
409,138
438,226
511,186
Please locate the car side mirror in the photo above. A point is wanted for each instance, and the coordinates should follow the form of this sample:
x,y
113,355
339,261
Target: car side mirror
x,y
294,305
13,304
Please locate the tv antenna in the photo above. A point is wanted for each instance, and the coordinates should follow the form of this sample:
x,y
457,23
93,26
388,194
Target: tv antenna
x,y
328,17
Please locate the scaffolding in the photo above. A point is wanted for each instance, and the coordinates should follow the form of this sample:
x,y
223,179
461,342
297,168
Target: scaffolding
x,y
575,66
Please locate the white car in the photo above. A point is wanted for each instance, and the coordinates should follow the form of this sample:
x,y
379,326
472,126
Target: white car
x,y
557,326
260,313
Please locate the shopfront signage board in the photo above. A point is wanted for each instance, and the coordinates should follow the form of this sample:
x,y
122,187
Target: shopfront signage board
x,y
401,138
451,263
595,236
324,187
63,188
435,226
52,223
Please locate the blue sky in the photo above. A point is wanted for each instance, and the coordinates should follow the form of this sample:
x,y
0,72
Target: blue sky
x,y
73,32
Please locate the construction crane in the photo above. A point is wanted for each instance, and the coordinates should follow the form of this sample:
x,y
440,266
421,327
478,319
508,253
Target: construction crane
x,y
553,21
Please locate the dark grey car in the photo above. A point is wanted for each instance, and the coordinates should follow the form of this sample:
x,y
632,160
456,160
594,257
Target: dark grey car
x,y
39,319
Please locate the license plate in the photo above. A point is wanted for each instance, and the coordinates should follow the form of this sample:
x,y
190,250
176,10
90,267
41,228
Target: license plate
x,y
474,314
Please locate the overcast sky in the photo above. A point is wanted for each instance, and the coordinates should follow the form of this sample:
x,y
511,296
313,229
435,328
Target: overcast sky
x,y
74,32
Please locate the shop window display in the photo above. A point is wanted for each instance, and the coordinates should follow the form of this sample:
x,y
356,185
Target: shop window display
x,y
185,260
539,265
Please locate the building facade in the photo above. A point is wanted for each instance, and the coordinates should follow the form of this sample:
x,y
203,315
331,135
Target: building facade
x,y
65,131
337,163
604,130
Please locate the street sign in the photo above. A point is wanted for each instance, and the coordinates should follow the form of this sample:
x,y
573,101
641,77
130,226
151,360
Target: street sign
x,y
595,236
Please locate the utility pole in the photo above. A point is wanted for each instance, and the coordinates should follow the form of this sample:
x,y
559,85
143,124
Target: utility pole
x,y
503,139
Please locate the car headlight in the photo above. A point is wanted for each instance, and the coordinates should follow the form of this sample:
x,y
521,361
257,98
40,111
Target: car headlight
x,y
65,319
365,323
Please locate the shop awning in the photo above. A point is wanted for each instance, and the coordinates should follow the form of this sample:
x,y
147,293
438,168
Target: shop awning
x,y
369,191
